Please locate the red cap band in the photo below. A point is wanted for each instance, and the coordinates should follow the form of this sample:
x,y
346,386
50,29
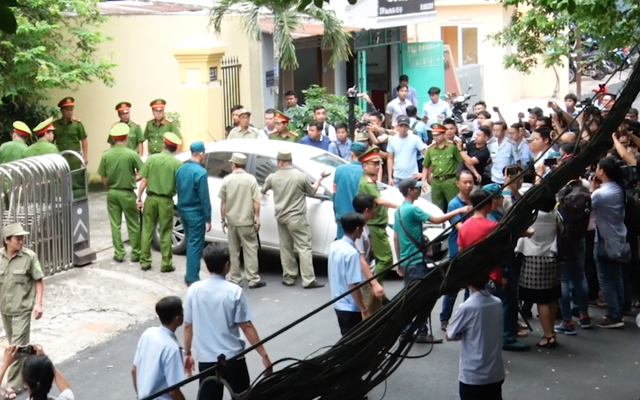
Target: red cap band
x,y
66,103
45,129
170,143
370,157
22,133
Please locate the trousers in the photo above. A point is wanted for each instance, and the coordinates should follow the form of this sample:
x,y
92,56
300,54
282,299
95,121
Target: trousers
x,y
78,176
124,202
243,239
295,237
235,373
381,249
492,391
158,211
18,330
442,192
194,231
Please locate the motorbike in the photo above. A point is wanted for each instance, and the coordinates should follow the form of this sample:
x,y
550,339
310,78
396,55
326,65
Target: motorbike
x,y
460,105
591,66
621,57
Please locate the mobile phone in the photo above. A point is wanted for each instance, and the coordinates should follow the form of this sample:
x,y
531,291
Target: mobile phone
x,y
496,109
25,351
550,162
512,171
520,115
550,104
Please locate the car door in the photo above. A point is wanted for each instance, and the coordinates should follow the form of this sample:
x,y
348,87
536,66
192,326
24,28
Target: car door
x,y
321,219
218,166
261,168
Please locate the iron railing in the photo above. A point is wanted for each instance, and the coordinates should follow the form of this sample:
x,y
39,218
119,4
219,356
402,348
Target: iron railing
x,y
230,86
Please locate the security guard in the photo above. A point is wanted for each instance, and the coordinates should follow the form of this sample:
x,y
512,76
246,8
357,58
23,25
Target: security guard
x,y
194,207
370,160
14,150
240,212
290,190
135,136
158,177
244,130
282,129
44,132
118,168
70,135
21,291
158,126
441,163
346,181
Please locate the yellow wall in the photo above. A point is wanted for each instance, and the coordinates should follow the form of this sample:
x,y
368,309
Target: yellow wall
x,y
500,85
148,70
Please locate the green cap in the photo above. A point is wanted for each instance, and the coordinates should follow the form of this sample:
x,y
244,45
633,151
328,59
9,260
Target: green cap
x,y
172,139
119,130
358,148
43,126
373,153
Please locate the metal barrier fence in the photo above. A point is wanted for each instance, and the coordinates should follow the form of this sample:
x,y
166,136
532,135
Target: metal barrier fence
x,y
37,192
230,86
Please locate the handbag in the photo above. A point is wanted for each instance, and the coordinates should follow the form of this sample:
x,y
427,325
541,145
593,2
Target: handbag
x,y
420,245
613,249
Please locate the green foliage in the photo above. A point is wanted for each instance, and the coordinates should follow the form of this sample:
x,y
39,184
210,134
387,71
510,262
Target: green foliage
x,y
55,47
548,28
174,115
337,108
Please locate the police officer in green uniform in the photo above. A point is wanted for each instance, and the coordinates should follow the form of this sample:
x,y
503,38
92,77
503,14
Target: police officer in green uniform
x,y
135,136
70,135
441,162
44,132
14,150
370,160
290,190
158,126
282,129
158,178
118,168
21,292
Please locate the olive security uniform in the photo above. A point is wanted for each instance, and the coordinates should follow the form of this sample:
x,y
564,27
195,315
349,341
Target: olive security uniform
x,y
17,299
445,162
159,171
290,137
12,151
194,207
239,191
238,133
154,133
119,166
135,136
68,137
290,188
41,147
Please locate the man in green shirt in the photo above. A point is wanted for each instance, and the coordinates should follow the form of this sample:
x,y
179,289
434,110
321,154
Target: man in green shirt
x,y
44,132
118,168
282,130
158,178
377,225
14,150
441,163
70,135
135,138
158,126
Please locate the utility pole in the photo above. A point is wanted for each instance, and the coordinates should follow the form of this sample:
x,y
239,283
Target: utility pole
x,y
578,63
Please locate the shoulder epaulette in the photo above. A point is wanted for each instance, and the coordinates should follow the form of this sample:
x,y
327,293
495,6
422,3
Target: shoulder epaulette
x,y
133,122
76,119
492,140
169,119
371,179
510,141
28,251
294,133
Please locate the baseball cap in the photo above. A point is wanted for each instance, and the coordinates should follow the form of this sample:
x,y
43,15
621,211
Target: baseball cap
x,y
495,188
537,111
407,184
403,120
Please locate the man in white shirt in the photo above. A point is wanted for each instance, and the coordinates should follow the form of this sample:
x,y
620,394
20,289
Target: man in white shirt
x,y
436,110
320,115
412,95
478,325
269,124
398,106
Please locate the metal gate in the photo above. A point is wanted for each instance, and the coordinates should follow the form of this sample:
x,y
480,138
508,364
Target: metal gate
x,y
37,193
230,86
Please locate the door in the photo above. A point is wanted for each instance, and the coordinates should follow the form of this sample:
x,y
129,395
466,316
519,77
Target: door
x,y
217,166
361,73
423,63
263,167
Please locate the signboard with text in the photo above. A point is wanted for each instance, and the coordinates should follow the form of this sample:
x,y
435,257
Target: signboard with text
x,y
388,8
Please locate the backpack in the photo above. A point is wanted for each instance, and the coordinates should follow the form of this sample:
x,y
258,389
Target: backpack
x,y
574,208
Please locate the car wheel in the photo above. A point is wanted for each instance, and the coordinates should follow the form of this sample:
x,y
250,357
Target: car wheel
x,y
178,242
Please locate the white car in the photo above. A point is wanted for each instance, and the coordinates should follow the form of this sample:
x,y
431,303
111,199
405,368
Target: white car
x,y
261,161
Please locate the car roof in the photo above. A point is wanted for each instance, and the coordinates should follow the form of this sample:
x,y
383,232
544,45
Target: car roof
x,y
268,148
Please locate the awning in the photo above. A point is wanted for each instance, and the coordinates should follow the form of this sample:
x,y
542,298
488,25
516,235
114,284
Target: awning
x,y
307,29
383,14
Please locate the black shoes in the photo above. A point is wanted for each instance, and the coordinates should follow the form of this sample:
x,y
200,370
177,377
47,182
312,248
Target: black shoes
x,y
314,285
258,285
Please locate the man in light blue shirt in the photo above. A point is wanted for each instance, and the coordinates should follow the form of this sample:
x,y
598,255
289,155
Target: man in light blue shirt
x,y
341,147
157,364
412,95
215,311
402,150
503,152
436,110
345,273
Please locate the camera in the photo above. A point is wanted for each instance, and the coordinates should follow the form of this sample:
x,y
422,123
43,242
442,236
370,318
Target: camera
x,y
550,162
25,351
629,175
363,124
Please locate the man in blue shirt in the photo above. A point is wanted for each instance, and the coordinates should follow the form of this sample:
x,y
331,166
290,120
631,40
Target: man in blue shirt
x,y
315,137
436,110
157,364
346,179
408,239
194,208
342,146
464,182
401,153
345,273
503,152
215,312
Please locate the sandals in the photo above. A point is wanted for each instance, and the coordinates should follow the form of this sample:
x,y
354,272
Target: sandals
x,y
11,394
547,342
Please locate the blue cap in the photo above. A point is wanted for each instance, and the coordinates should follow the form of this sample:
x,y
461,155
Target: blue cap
x,y
495,188
197,147
358,148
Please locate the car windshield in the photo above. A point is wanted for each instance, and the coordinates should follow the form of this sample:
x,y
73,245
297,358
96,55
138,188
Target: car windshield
x,y
328,160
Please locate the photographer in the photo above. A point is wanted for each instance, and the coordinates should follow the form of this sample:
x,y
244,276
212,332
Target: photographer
x,y
38,373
